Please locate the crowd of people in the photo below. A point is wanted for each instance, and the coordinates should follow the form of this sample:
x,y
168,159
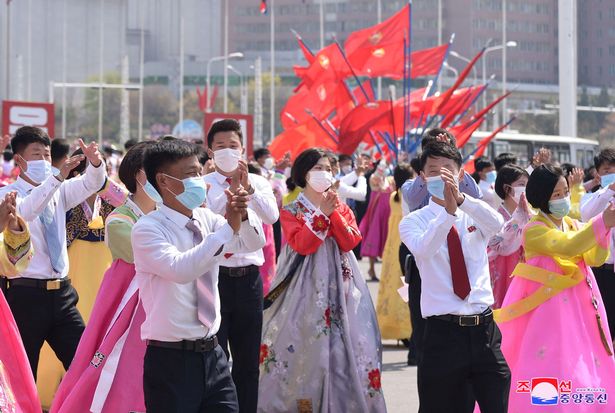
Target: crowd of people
x,y
186,277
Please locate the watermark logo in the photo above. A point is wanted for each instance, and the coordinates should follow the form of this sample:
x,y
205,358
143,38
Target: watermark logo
x,y
549,391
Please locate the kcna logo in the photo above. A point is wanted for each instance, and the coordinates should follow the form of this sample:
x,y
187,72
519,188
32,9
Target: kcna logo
x,y
548,391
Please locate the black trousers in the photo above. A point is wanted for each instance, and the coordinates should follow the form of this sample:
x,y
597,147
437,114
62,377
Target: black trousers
x,y
50,316
413,279
180,381
241,302
605,277
461,363
277,237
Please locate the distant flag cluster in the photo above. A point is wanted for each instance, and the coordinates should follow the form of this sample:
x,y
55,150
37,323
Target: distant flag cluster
x,y
263,7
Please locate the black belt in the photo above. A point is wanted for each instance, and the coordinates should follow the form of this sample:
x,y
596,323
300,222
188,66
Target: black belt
x,y
49,285
198,346
238,271
467,320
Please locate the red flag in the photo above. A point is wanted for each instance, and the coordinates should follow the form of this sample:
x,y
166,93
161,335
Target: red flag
x,y
447,95
482,145
304,136
328,65
395,28
347,100
307,53
461,106
491,106
263,7
387,60
320,100
463,133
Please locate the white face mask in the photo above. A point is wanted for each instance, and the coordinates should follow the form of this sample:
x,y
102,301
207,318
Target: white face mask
x,y
517,191
320,181
346,169
38,171
227,159
269,163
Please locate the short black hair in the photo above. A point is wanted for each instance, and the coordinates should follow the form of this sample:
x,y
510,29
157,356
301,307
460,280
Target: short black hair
x,y
607,155
203,156
8,155
343,157
432,134
254,168
437,149
260,152
163,153
503,159
415,163
27,135
401,173
568,168
541,184
132,164
59,149
167,138
304,162
79,169
507,175
130,143
224,125
481,163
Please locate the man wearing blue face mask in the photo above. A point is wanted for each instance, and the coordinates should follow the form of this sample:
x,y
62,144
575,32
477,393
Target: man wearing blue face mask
x,y
461,345
42,298
241,285
177,252
486,176
593,204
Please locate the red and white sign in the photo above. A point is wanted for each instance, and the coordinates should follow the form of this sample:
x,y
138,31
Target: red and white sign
x,y
247,127
17,114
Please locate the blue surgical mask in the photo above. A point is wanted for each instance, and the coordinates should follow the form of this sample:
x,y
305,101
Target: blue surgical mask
x,y
435,186
38,171
491,177
560,207
55,171
607,180
195,192
151,192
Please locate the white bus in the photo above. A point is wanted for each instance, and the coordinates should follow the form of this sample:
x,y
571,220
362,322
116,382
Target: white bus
x,y
577,151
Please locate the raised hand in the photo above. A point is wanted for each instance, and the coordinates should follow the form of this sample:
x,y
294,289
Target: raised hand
x,y
609,216
5,142
523,205
70,164
5,213
329,203
91,152
284,163
575,177
449,178
242,174
11,200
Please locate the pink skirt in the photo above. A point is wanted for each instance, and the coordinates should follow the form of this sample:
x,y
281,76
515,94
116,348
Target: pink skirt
x,y
375,224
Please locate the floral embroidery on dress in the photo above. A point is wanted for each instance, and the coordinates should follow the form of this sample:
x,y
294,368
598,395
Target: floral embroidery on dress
x,y
346,268
7,399
374,381
329,319
320,223
271,365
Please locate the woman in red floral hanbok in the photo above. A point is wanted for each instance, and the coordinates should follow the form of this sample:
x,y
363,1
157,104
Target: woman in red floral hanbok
x,y
321,348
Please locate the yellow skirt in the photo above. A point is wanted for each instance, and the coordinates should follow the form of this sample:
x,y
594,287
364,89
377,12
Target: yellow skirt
x,y
88,262
392,312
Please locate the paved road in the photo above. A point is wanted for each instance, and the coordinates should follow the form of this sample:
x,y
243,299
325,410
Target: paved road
x,y
398,380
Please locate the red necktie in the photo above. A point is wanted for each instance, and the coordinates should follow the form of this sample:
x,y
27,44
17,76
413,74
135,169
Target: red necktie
x,y
229,180
461,282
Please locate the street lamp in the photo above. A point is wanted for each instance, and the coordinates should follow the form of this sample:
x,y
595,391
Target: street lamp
x,y
465,59
235,55
451,69
243,95
511,43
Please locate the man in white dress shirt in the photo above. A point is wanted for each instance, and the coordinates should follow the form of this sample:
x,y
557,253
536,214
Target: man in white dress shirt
x,y
461,357
593,204
42,299
351,185
241,286
177,251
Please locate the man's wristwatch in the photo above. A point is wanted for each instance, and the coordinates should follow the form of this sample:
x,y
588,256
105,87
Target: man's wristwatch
x,y
250,190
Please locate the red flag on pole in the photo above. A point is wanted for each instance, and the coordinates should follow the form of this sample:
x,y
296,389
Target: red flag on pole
x,y
320,100
304,136
263,7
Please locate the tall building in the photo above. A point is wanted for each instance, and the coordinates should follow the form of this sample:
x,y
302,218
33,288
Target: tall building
x,y
37,44
532,24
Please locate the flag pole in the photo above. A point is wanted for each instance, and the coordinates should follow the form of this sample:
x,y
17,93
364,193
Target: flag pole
x,y
488,139
333,138
409,73
354,74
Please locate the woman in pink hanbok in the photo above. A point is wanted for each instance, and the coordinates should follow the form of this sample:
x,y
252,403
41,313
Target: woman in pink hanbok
x,y
105,375
504,249
555,335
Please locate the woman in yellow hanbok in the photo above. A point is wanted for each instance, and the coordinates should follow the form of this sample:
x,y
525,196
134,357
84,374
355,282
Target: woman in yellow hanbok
x,y
391,310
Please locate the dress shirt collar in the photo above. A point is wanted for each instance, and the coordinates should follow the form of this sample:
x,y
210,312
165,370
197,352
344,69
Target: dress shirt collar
x,y
132,205
221,179
24,185
433,207
178,218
